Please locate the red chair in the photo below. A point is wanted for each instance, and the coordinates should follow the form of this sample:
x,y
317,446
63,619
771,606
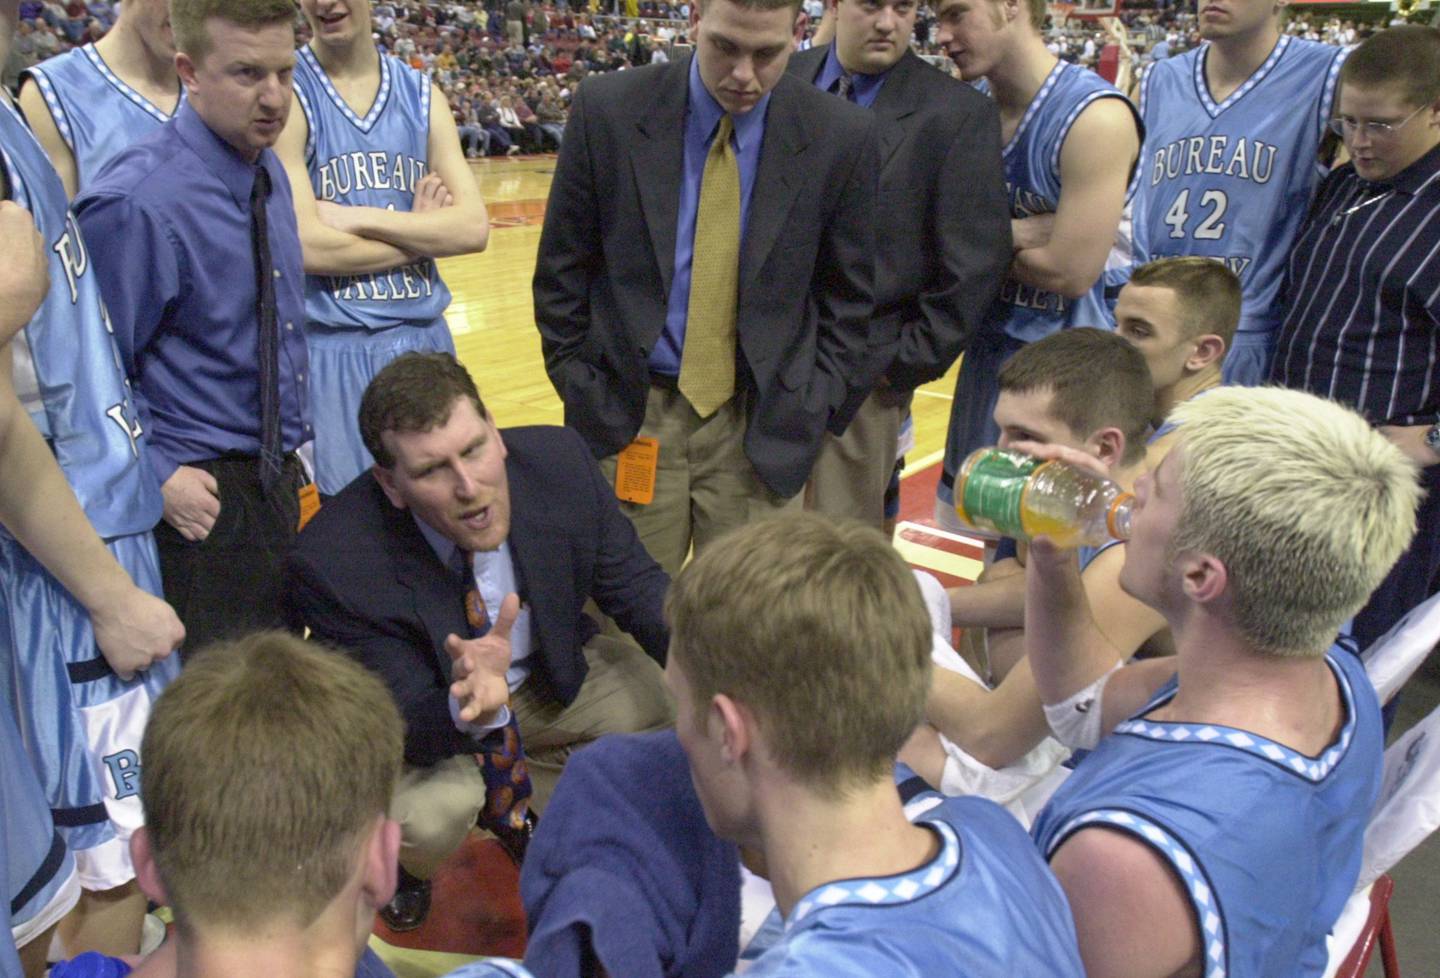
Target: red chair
x,y
1377,930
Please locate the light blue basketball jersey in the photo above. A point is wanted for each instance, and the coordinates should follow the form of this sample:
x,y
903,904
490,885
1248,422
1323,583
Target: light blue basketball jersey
x,y
82,723
1032,178
1267,841
1022,313
986,905
96,113
67,367
374,161
1233,181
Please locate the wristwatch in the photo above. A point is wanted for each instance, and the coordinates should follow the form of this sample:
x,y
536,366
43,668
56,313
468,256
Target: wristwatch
x,y
1432,438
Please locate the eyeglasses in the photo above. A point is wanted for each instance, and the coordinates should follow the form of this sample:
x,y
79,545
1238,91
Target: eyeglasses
x,y
1344,125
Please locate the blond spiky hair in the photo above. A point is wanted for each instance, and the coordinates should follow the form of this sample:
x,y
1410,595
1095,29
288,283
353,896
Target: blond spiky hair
x,y
1304,503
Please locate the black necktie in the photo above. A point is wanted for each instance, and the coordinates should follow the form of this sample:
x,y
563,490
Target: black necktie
x,y
265,320
843,86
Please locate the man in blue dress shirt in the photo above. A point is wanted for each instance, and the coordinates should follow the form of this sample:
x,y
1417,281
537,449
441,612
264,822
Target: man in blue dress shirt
x,y
199,260
1363,321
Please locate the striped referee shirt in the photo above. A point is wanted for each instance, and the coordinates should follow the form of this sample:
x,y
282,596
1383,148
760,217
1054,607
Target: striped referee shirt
x,y
1362,323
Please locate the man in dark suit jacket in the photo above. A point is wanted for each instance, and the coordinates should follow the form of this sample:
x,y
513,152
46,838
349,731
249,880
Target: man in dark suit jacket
x,y
613,275
942,232
453,503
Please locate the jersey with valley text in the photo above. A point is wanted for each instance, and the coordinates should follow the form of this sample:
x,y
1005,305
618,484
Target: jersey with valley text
x,y
1032,178
1267,841
67,367
95,112
1232,181
371,161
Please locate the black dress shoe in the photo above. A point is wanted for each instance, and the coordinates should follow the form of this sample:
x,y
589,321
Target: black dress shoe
x,y
410,904
516,841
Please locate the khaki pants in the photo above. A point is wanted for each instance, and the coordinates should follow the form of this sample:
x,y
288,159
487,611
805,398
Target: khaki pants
x,y
623,692
704,485
853,470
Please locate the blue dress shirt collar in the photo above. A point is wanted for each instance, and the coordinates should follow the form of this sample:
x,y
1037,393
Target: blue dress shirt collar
x,y
446,549
232,169
863,88
703,115
443,546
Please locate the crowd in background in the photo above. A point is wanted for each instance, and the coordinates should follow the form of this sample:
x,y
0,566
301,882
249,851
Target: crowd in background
x,y
511,95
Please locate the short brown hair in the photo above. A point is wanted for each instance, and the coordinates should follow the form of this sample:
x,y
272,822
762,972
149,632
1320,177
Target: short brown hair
x,y
1407,57
794,5
413,392
1097,380
819,628
188,19
264,764
1207,291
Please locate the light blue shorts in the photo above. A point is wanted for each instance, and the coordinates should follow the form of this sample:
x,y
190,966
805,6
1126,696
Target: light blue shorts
x,y
342,364
81,723
34,863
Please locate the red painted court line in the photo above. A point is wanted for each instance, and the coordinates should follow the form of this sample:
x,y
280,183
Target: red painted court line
x,y
917,494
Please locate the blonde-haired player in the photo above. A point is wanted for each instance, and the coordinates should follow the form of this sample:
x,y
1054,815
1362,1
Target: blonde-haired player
x,y
1226,796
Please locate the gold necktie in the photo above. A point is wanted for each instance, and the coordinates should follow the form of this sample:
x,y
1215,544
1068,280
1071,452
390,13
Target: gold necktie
x,y
707,363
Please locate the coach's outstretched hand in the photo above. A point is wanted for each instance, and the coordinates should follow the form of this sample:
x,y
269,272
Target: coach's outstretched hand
x,y
478,666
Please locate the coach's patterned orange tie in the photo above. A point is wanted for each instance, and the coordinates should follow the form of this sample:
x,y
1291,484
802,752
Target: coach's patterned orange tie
x,y
707,363
502,762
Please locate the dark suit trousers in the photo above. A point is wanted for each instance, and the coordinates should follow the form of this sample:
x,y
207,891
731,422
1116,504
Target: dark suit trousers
x,y
228,584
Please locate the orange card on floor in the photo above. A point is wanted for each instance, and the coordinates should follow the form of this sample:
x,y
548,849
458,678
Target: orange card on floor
x,y
309,504
635,471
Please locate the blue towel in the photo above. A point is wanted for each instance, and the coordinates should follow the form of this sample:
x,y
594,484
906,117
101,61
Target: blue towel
x,y
624,865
